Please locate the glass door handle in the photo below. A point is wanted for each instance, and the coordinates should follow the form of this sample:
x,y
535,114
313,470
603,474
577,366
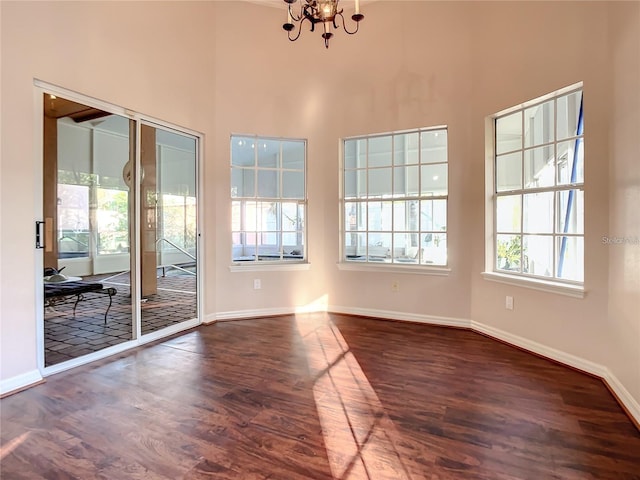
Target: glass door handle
x,y
39,234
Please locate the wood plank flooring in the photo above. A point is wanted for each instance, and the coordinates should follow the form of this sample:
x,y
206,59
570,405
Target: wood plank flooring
x,y
319,396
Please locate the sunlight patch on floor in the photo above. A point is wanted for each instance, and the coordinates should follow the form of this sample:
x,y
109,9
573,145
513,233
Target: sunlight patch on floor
x,y
11,445
320,304
358,434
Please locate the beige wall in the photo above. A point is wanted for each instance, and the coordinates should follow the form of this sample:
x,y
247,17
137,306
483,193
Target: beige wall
x,y
623,320
226,67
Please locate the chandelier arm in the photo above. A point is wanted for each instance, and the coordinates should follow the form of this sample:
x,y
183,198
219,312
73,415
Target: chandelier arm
x,y
293,15
297,36
300,29
344,25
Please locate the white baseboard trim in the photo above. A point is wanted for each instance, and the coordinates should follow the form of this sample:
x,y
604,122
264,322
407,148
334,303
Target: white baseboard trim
x,y
256,313
266,312
540,349
19,382
402,316
629,403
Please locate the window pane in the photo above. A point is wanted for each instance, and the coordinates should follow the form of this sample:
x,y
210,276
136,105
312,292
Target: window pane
x,y
355,216
537,255
293,245
405,216
250,217
568,114
433,215
269,216
379,216
434,179
405,248
73,221
242,182
235,215
293,155
355,153
243,151
570,163
538,212
405,149
508,250
379,182
236,238
268,153
440,215
434,249
355,183
293,185
509,133
405,181
172,209
292,218
380,151
509,172
379,247
539,168
113,221
539,124
433,146
426,215
508,213
355,246
570,258
245,249
268,184
570,211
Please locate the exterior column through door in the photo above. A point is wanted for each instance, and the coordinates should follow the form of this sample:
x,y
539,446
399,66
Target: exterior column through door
x,y
148,212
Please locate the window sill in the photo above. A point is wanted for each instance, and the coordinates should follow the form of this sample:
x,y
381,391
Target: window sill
x,y
268,266
575,291
391,267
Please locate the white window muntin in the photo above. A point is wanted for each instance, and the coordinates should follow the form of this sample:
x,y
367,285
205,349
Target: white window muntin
x,y
363,200
258,196
555,188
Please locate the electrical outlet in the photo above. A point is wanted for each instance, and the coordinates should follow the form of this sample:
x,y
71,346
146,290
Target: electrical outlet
x,y
257,284
395,286
508,304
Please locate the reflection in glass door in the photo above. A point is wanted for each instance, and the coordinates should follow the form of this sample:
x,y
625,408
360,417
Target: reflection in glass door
x,y
168,238
87,207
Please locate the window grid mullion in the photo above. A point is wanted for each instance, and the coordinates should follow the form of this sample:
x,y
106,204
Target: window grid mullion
x,y
366,203
554,259
393,210
556,234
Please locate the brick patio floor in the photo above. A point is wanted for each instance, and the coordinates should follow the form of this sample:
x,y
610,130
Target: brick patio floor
x,y
66,337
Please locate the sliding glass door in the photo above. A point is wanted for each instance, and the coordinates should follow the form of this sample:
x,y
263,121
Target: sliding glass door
x,y
168,221
119,243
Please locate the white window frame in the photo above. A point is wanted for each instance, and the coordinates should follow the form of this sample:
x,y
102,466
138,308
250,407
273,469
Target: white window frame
x,y
257,263
384,266
552,284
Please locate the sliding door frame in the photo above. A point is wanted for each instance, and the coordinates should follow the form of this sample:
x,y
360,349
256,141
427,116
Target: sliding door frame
x,y
40,89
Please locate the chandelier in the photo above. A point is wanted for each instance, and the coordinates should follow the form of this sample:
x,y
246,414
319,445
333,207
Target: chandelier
x,y
318,11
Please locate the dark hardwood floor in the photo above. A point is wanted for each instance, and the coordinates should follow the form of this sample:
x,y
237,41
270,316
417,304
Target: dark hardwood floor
x,y
319,396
